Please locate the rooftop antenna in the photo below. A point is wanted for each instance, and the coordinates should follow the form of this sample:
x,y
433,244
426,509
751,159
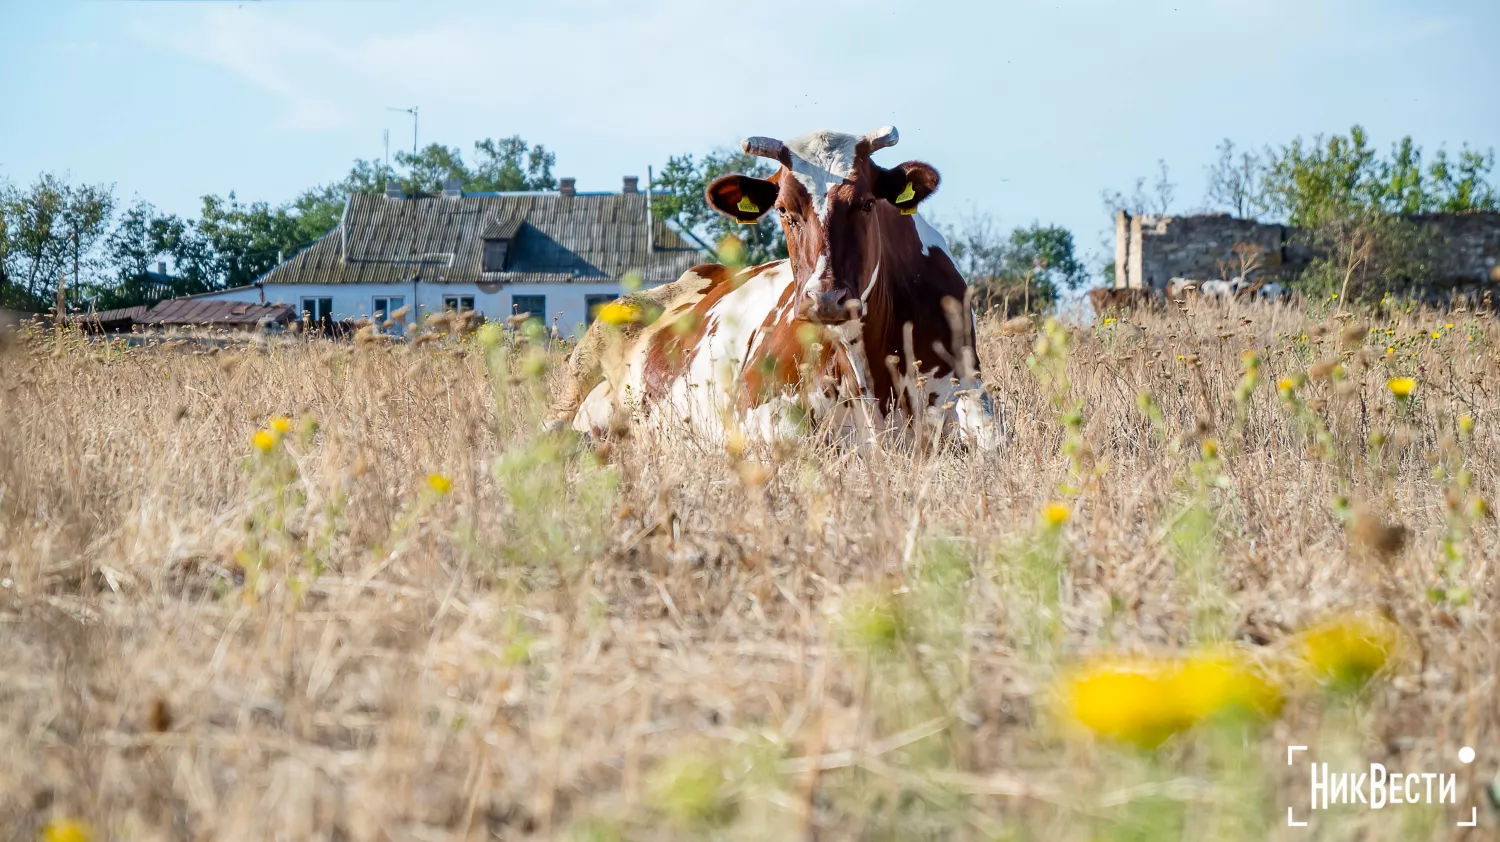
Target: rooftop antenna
x,y
413,112
387,153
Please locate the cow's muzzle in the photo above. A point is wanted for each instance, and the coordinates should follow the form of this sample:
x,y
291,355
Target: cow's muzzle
x,y
831,307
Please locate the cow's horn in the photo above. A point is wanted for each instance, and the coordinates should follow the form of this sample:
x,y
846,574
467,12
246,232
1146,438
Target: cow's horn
x,y
882,137
762,147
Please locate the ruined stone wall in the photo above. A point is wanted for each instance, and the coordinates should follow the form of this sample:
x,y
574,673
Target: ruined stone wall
x,y
1150,249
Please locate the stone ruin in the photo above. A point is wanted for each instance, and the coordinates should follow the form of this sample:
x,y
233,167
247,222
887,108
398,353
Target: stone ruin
x,y
1151,249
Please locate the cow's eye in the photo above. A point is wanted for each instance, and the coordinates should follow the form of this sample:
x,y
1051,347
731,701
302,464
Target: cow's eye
x,y
869,205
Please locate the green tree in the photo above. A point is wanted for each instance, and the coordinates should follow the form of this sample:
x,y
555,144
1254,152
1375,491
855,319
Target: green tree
x,y
508,165
678,196
143,237
52,230
1022,271
1354,206
502,165
248,240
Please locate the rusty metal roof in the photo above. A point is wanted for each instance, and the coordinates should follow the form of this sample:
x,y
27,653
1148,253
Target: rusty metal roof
x,y
587,238
105,317
189,311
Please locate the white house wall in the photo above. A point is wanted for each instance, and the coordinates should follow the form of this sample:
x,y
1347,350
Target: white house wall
x,y
565,302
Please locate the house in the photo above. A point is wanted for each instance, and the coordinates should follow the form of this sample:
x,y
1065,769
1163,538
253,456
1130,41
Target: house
x,y
556,254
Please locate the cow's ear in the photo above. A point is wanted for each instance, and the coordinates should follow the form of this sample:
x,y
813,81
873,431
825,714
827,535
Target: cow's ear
x,y
906,185
742,197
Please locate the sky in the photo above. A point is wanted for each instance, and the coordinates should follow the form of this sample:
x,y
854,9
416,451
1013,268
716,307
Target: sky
x,y
1028,109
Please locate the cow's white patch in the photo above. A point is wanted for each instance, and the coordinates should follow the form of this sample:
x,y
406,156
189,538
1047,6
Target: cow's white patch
x,y
931,238
821,160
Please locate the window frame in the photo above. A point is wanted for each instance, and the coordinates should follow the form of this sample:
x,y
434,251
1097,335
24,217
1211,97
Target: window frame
x,y
458,303
321,309
541,301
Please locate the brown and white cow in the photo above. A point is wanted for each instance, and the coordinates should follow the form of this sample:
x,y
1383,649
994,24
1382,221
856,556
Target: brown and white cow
x,y
864,322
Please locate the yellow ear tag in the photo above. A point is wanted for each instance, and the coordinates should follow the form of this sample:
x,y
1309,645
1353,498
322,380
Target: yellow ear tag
x,y
908,211
748,206
906,195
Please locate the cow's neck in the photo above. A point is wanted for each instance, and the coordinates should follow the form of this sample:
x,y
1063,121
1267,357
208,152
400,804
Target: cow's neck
x,y
907,288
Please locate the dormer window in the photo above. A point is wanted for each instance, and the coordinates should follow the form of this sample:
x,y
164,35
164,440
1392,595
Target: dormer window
x,y
495,252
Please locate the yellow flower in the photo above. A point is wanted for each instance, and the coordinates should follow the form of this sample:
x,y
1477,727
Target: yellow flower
x,y
263,440
1056,514
1401,387
1348,650
1146,700
620,312
1125,700
1466,424
1437,335
1215,682
1391,349
1448,326
1210,449
281,424
439,483
66,830
1285,384
1109,321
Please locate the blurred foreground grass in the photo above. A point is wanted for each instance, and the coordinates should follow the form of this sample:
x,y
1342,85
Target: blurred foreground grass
x,y
305,590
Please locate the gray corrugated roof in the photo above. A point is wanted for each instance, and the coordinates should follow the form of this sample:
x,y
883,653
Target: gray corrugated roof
x,y
571,239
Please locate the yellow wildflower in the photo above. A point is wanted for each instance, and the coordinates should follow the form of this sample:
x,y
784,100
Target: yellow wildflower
x,y
1128,701
1348,650
1286,384
1448,326
1466,424
439,483
1401,387
620,312
1391,349
1109,321
1056,514
1212,683
66,830
1146,700
1210,449
281,425
1437,335
263,440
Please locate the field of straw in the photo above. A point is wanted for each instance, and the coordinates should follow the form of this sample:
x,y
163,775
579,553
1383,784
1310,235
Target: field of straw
x,y
308,590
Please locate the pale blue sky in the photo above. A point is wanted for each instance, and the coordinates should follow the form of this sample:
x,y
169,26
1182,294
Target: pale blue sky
x,y
1027,109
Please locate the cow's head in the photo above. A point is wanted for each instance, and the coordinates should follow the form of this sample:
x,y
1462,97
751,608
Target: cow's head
x,y
833,201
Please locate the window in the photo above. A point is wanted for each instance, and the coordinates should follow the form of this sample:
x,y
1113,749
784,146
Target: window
x,y
385,305
317,309
591,305
494,255
536,305
458,302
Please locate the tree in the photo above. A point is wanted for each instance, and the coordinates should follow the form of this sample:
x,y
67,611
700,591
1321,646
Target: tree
x,y
1353,206
509,164
52,229
1027,267
1159,200
679,197
142,238
248,240
1237,185
504,165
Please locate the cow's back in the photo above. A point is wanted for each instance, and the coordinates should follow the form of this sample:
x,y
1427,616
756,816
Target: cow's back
x,y
601,359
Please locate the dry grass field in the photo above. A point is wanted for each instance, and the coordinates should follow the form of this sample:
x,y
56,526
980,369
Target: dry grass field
x,y
305,590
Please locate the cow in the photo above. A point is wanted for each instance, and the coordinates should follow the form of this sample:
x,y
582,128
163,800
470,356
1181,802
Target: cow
x,y
1106,300
863,328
